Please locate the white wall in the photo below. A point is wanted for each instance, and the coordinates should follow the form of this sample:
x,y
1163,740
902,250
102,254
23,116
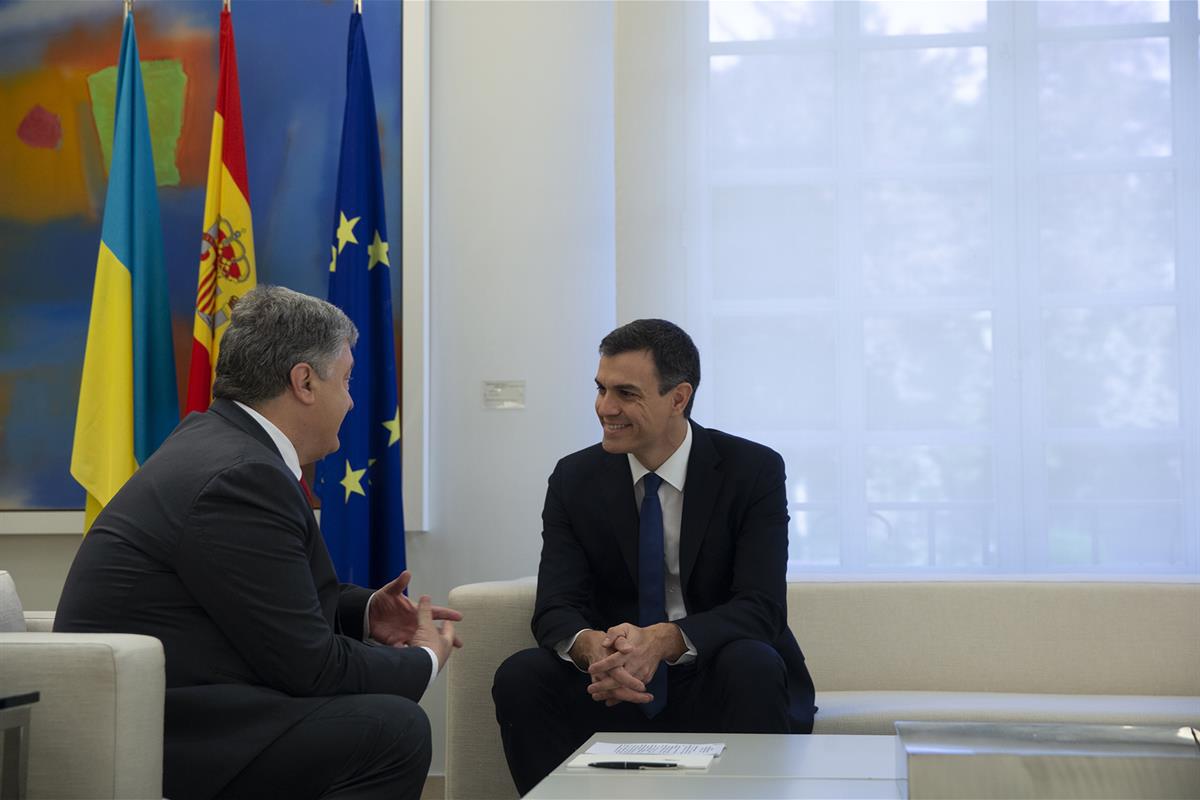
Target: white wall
x,y
521,284
38,561
652,217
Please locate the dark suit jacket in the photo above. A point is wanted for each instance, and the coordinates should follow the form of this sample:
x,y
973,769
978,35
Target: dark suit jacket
x,y
732,552
212,548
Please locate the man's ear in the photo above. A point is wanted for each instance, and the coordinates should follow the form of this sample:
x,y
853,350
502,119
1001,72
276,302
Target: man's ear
x,y
300,382
680,396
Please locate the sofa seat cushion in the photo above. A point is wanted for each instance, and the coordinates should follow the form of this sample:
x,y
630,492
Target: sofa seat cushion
x,y
875,712
39,621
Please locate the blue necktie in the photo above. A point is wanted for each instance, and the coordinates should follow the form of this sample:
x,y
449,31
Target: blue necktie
x,y
652,589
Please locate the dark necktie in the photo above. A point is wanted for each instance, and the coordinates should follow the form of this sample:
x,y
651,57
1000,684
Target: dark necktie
x,y
307,491
652,591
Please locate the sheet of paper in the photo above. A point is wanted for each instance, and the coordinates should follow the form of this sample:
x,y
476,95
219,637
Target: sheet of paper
x,y
656,749
693,761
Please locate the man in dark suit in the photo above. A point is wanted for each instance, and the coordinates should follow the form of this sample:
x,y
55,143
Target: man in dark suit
x,y
212,547
661,599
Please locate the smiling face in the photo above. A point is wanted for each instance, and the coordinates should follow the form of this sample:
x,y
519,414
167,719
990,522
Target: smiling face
x,y
332,401
634,416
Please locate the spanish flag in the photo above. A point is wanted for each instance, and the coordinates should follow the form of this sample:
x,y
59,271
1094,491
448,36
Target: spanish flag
x,y
227,247
128,402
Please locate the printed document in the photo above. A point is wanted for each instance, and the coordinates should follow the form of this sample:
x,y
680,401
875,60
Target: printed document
x,y
656,749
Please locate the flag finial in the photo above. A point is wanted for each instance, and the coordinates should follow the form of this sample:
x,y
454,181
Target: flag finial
x,y
128,7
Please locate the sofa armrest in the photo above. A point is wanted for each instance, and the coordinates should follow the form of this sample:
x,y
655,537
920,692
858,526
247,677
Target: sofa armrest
x,y
97,730
495,625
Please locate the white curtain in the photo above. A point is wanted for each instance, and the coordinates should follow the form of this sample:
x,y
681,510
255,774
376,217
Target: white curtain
x,y
943,256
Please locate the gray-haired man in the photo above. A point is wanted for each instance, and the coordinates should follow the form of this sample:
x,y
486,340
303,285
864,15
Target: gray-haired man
x,y
212,548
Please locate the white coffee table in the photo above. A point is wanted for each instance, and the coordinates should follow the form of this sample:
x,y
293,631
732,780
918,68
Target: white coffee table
x,y
752,766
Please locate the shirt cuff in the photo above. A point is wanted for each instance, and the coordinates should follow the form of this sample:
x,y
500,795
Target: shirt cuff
x,y
688,656
563,649
367,623
436,668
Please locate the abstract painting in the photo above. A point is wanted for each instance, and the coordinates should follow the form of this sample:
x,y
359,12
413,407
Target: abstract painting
x,y
57,82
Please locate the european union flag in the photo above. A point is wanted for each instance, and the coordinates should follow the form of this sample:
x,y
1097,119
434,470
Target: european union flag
x,y
362,514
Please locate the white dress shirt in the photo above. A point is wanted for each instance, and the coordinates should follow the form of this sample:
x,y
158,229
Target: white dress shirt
x,y
282,442
292,459
673,472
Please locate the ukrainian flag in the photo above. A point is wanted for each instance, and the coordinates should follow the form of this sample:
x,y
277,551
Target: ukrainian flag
x,y
128,401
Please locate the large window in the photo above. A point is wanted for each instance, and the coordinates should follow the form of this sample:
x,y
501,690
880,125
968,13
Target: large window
x,y
943,256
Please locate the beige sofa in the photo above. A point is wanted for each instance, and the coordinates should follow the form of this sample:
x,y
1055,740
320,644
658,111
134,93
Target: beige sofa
x,y
97,730
1103,652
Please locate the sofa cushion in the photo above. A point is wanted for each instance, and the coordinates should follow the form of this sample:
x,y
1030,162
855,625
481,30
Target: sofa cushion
x,y
877,712
12,618
1056,637
39,621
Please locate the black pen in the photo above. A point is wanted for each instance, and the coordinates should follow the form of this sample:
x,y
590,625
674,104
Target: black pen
x,y
633,764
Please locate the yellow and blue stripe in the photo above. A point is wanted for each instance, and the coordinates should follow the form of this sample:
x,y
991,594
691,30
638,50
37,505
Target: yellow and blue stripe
x,y
128,400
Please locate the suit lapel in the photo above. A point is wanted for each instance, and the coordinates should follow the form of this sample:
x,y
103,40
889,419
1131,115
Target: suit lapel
x,y
621,508
704,480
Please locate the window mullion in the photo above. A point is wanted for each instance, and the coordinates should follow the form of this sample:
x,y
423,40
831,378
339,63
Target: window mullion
x,y
1185,115
1029,305
855,519
1006,443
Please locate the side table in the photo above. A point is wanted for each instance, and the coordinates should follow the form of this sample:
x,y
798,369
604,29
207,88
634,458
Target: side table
x,y
14,757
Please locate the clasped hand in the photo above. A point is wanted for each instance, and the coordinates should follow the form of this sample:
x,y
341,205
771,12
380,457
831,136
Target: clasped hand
x,y
395,621
623,660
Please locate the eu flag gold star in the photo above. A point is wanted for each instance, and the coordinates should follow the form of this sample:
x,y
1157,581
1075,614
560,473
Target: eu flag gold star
x,y
345,231
353,481
378,252
393,426
333,259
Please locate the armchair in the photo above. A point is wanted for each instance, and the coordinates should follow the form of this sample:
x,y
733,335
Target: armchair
x,y
97,730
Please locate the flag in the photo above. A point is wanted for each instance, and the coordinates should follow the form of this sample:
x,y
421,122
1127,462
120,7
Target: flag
x,y
128,402
227,242
362,514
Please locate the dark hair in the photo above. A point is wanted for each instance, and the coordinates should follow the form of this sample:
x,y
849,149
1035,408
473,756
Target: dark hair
x,y
272,330
675,355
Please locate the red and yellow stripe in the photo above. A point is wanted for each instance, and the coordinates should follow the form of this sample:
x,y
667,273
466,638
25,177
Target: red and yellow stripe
x,y
227,266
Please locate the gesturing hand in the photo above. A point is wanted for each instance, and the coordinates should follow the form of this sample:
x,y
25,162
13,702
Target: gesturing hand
x,y
392,618
438,638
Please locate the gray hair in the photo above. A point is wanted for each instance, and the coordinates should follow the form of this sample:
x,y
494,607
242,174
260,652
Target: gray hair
x,y
273,329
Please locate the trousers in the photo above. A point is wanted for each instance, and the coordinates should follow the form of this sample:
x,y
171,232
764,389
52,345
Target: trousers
x,y
354,747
